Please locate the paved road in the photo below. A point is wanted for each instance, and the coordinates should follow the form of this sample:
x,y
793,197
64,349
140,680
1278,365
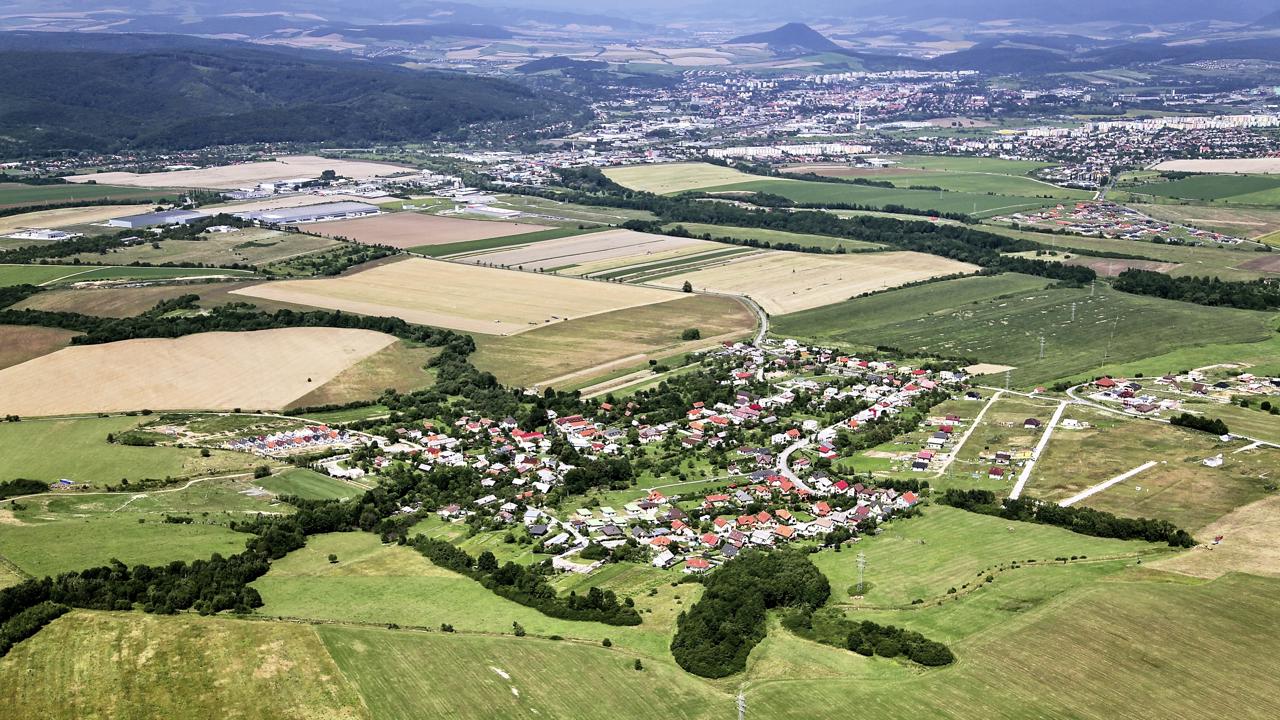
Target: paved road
x,y
1035,454
965,438
1107,483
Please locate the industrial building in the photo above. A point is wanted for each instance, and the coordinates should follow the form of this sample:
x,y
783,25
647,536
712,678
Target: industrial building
x,y
311,213
168,217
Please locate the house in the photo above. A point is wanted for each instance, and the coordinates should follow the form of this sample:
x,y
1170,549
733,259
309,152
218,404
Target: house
x,y
696,565
1031,424
665,559
996,473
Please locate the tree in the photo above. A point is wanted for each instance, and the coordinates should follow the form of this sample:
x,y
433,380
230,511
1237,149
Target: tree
x,y
261,471
687,287
607,642
691,334
639,665
487,563
333,558
518,629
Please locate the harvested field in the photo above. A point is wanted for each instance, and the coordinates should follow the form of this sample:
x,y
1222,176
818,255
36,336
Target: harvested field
x,y
263,369
784,282
461,297
1268,264
579,350
286,201
988,369
674,177
246,174
65,217
1250,544
1236,165
409,229
397,366
20,343
1110,267
590,248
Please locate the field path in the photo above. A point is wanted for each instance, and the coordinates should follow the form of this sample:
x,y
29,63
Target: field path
x,y
1106,484
1035,454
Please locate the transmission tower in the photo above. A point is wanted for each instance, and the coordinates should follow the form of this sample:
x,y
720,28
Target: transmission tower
x,y
1073,312
862,569
742,705
1041,347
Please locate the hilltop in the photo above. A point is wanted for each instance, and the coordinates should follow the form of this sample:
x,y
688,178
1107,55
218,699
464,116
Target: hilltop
x,y
791,35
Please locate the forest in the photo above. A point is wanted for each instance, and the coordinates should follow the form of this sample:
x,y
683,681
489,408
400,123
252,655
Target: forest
x,y
1246,295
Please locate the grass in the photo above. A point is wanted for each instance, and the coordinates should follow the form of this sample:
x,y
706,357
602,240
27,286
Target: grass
x,y
1001,319
1203,651
1179,489
372,583
133,665
570,212
349,415
777,236
415,675
49,274
309,485
1239,189
610,341
674,177
49,548
252,246
474,246
922,558
820,193
37,274
18,194
77,449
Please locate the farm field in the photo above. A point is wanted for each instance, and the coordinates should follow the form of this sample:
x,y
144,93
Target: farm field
x,y
67,217
309,485
1241,222
1075,658
77,449
262,369
555,211
49,548
1179,489
1250,544
398,366
117,302
184,667
819,193
674,177
784,282
611,341
229,177
1237,165
409,675
469,247
922,558
251,246
1000,320
776,237
1234,189
462,297
999,179
620,246
411,229
21,195
38,274
20,343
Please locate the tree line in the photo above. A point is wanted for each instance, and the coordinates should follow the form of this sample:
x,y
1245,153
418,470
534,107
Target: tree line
x,y
867,638
1213,426
1083,520
1212,291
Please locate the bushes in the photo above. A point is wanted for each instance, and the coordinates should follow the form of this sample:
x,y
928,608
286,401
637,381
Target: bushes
x,y
1213,426
717,634
21,486
27,623
830,627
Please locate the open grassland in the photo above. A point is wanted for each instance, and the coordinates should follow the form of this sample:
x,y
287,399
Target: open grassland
x,y
51,274
262,369
581,349
1262,358
49,548
674,177
1179,489
776,237
1241,189
309,485
1203,650
216,500
77,449
1002,177
120,665
248,246
20,195
784,282
405,675
398,366
610,245
66,217
1001,319
246,174
109,301
38,274
411,229
1249,422
20,343
823,193
922,558
1250,544
474,247
554,211
462,297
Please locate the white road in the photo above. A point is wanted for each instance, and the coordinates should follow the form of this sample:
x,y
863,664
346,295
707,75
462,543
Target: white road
x,y
1035,454
1104,485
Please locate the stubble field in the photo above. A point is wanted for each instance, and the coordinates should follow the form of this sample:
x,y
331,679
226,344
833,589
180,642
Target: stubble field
x,y
410,229
245,174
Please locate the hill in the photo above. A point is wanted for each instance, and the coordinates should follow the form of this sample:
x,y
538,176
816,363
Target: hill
x,y
106,93
791,35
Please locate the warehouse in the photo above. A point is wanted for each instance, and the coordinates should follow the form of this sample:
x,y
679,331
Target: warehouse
x,y
168,217
311,213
